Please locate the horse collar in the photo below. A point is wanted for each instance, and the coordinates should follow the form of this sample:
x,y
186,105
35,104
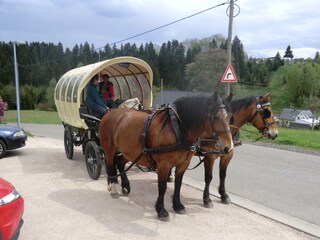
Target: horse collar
x,y
180,145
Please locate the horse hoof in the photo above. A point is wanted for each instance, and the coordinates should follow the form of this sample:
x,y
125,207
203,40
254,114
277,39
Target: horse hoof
x,y
115,195
182,211
112,188
125,191
163,216
208,204
225,200
164,219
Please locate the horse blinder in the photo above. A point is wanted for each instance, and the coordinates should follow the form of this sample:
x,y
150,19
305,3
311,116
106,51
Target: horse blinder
x,y
265,113
231,121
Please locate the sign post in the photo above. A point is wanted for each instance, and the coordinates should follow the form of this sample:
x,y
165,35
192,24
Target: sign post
x,y
16,76
231,6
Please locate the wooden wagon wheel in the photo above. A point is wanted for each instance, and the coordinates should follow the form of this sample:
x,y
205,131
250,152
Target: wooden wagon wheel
x,y
68,142
93,159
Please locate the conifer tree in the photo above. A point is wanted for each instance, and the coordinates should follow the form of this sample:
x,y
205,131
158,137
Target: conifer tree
x,y
239,58
288,53
317,57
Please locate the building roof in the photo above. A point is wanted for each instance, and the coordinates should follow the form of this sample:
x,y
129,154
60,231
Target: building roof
x,y
166,97
291,114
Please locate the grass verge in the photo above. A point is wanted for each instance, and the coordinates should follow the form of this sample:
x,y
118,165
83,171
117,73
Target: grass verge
x,y
33,116
291,137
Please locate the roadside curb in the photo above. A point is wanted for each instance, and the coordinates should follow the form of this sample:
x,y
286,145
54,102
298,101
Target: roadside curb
x,y
280,217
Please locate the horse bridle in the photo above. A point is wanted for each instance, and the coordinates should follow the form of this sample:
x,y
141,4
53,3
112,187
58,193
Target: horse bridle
x,y
265,114
214,139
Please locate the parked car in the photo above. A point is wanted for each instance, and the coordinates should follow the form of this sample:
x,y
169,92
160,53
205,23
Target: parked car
x,y
11,211
11,138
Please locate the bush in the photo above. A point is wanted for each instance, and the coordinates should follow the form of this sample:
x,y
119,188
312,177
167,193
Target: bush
x,y
43,106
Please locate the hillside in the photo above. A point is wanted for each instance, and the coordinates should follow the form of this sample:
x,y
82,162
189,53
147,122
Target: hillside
x,y
277,87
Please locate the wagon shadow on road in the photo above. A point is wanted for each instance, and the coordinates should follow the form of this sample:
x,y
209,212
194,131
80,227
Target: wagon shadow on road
x,y
52,161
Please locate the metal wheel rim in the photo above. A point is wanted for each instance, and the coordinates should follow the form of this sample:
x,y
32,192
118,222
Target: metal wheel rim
x,y
92,160
68,143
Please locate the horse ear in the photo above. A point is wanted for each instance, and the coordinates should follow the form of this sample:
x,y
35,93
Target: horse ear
x,y
266,97
229,98
214,98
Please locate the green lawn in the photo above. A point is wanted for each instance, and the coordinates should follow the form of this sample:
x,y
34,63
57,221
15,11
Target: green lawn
x,y
33,116
293,137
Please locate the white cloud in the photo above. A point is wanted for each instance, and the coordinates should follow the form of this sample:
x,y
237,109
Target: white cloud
x,y
264,27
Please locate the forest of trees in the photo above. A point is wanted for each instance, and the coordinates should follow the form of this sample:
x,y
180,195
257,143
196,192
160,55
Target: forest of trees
x,y
194,64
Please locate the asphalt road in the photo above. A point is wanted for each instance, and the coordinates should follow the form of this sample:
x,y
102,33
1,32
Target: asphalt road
x,y
282,181
62,202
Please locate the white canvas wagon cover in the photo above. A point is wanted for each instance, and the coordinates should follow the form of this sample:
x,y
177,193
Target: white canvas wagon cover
x,y
131,78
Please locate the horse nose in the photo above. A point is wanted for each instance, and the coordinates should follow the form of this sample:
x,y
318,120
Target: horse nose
x,y
272,135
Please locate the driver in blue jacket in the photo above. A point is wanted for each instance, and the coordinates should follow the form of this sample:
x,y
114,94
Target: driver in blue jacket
x,y
93,98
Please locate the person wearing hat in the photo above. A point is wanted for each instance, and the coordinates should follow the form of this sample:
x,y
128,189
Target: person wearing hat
x,y
93,99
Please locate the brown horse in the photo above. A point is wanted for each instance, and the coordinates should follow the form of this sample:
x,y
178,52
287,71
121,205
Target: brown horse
x,y
165,139
254,110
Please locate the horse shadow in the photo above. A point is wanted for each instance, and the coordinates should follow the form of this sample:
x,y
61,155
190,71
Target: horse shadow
x,y
133,210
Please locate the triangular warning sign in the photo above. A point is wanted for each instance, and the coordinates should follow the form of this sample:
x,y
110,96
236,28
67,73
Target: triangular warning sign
x,y
229,75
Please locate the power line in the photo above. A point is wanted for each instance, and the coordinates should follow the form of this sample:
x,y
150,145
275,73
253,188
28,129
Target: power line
x,y
165,25
140,34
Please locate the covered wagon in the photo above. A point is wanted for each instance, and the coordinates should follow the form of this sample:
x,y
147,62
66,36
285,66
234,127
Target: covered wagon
x,y
131,78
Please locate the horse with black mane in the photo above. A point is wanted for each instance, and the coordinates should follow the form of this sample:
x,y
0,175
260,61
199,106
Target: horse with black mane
x,y
254,110
164,139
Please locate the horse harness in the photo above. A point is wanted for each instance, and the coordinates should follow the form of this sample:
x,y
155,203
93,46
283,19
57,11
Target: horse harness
x,y
180,145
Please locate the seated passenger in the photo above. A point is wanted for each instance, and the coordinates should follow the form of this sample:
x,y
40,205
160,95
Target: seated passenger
x,y
107,92
93,98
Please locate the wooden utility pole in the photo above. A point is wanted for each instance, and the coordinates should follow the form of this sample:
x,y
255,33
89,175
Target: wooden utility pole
x,y
231,7
161,89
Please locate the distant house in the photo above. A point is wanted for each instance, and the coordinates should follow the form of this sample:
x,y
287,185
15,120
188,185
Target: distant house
x,y
166,97
295,118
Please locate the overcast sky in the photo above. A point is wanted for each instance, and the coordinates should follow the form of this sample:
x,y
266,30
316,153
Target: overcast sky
x,y
264,27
